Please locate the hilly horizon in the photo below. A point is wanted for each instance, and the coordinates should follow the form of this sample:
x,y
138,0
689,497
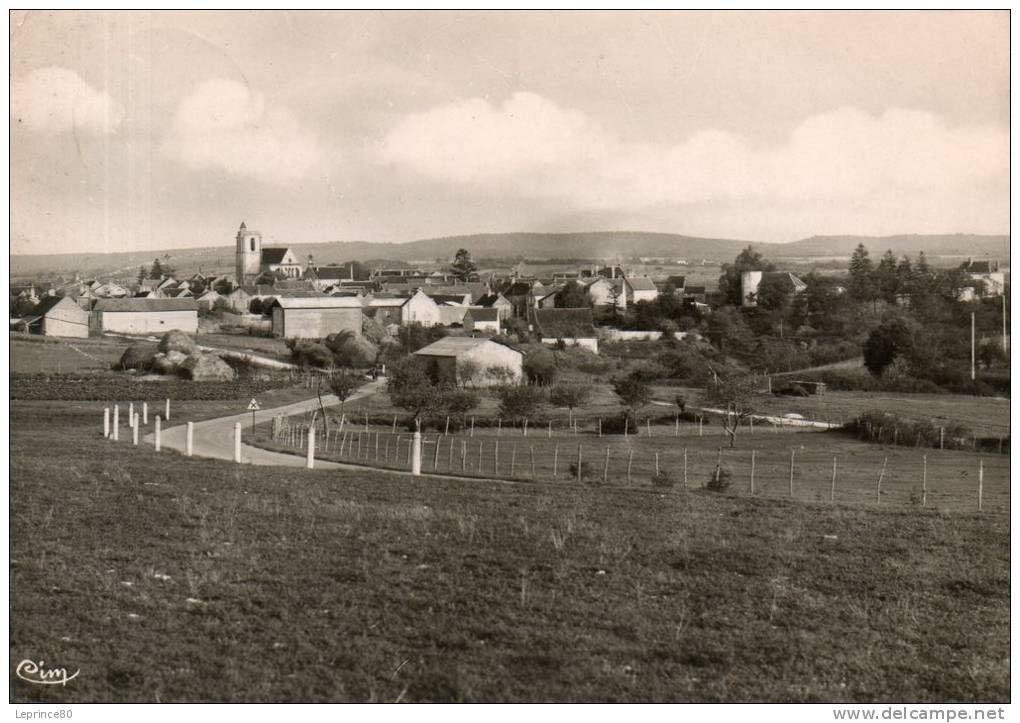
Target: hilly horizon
x,y
530,245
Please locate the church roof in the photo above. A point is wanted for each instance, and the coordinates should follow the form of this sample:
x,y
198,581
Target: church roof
x,y
274,254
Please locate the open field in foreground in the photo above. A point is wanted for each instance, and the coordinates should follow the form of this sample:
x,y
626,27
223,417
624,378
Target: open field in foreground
x,y
174,579
34,354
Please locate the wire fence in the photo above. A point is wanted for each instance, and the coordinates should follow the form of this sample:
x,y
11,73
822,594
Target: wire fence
x,y
780,463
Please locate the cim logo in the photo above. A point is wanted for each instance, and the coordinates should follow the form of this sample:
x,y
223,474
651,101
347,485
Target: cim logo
x,y
32,672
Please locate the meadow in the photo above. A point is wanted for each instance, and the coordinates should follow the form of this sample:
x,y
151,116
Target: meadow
x,y
167,579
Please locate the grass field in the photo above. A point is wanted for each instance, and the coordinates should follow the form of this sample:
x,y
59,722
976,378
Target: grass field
x,y
265,346
33,354
173,579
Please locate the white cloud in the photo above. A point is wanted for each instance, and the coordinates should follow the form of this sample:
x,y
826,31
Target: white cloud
x,y
226,125
529,146
58,100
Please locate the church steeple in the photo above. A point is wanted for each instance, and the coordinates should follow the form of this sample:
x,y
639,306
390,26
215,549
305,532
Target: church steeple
x,y
248,255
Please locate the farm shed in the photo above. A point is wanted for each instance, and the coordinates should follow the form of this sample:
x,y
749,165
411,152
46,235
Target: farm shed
x,y
58,316
499,302
146,316
448,357
452,315
315,317
575,327
417,308
481,319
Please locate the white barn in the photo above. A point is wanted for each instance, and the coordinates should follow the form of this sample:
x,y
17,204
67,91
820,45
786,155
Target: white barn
x,y
316,317
146,316
447,357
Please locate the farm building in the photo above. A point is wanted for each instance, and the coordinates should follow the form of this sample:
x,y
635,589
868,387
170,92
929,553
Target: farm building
x,y
450,357
146,316
58,316
639,288
417,308
207,300
750,281
499,302
574,327
602,291
481,319
315,317
989,280
452,315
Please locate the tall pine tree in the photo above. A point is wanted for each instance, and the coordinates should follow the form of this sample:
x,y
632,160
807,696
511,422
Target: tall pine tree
x,y
861,287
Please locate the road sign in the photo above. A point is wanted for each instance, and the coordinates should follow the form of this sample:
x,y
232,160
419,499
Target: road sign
x,y
253,405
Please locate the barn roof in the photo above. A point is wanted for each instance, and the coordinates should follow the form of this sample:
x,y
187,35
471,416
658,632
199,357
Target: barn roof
x,y
492,300
641,283
47,304
483,314
119,305
318,302
565,323
456,345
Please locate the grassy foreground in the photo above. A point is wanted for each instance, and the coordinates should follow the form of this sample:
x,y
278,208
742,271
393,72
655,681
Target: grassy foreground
x,y
172,579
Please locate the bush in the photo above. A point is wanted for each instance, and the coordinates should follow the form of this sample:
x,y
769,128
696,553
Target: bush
x,y
663,479
540,368
351,350
886,428
307,353
519,401
590,472
176,341
137,356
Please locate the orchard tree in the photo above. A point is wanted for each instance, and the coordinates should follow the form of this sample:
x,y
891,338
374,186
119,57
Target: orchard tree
x,y
570,396
734,395
572,296
519,402
342,383
411,388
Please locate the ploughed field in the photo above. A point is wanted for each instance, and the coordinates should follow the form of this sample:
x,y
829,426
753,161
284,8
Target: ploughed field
x,y
175,579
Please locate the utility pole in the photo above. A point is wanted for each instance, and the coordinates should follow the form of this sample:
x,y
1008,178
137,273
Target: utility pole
x,y
1004,322
973,375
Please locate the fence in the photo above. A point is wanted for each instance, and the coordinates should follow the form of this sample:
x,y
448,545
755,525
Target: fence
x,y
801,466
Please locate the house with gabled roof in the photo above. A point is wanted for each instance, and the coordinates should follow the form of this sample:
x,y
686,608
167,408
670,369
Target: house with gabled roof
x,y
491,362
573,327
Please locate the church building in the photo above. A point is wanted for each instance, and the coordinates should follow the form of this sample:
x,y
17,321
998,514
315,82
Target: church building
x,y
253,260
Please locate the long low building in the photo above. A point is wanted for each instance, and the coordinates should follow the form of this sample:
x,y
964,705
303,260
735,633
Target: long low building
x,y
145,316
449,358
316,317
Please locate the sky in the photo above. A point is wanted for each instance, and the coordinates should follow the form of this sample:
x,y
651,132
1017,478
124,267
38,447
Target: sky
x,y
149,130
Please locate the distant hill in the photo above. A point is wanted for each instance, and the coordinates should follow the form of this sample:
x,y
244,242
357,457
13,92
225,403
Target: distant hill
x,y
594,245
960,244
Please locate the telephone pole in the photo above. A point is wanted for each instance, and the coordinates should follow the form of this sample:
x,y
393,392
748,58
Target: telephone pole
x,y
973,375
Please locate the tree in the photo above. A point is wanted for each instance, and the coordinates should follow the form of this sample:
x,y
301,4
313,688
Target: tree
x,y
463,268
156,271
886,279
143,273
22,306
633,391
413,337
519,401
572,296
889,340
570,396
774,292
729,281
861,287
342,384
540,368
223,286
459,402
411,388
468,372
734,394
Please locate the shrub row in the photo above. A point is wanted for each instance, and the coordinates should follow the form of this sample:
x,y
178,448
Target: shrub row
x,y
117,387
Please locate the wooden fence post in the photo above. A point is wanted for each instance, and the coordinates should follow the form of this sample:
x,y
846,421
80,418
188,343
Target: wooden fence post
x,y
550,435
605,468
685,467
481,446
701,426
145,413
134,434
166,416
942,437
981,483
924,480
463,455
435,457
495,459
648,426
832,484
792,451
472,434
656,464
106,423
630,461
752,472
310,452
513,459
237,442
533,475
578,463
556,458
878,487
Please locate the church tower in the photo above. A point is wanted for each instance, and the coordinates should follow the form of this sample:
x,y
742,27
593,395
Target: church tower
x,y
249,256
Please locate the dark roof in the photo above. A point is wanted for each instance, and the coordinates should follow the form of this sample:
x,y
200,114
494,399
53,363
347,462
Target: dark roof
x,y
565,323
456,345
979,267
490,300
678,282
332,272
695,290
483,314
274,254
518,288
449,298
146,305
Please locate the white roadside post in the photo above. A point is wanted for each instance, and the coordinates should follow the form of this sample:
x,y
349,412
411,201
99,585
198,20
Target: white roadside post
x,y
237,442
116,422
167,415
157,439
310,455
131,413
188,439
145,413
416,453
134,435
106,423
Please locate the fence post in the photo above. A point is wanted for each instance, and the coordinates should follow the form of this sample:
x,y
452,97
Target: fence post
x,y
701,426
556,458
685,467
237,442
115,432
752,472
605,468
415,452
435,457
166,416
131,414
310,453
656,464
600,426
513,459
463,455
189,436
648,426
533,475
145,413
481,447
924,480
157,437
981,483
750,421
550,436
832,484
630,461
495,458
394,424
676,426
524,429
878,487
578,463
792,451
942,437
106,423
472,427
134,435
377,446
626,425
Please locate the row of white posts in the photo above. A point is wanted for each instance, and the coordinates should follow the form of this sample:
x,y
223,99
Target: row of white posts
x,y
135,422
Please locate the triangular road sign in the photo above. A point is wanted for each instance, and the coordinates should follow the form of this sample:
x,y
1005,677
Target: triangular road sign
x,y
253,405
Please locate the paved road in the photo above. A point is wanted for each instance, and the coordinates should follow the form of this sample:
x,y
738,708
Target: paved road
x,y
214,438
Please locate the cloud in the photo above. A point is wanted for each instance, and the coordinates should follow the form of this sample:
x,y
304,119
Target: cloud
x,y
226,125
58,100
529,146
